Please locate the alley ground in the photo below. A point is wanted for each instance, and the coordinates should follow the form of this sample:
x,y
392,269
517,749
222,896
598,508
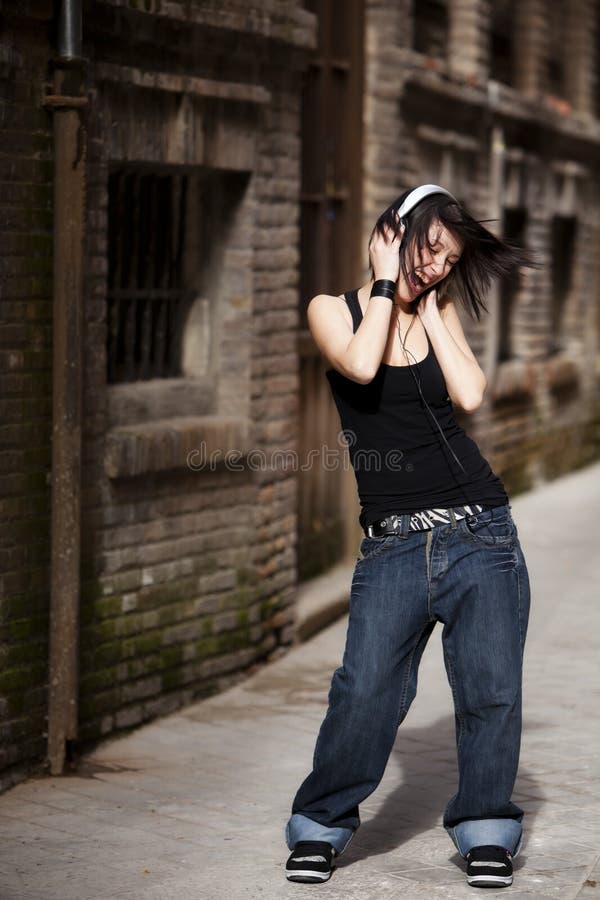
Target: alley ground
x,y
194,805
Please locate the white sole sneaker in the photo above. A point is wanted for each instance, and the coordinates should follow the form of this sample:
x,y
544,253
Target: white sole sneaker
x,y
301,862
490,880
489,866
306,876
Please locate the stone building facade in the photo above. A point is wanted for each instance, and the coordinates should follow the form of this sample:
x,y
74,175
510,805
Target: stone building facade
x,y
192,308
190,321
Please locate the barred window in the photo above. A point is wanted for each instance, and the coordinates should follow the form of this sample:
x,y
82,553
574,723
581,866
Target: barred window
x,y
147,298
431,26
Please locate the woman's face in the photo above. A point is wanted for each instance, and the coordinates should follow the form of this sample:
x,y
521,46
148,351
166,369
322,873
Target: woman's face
x,y
427,267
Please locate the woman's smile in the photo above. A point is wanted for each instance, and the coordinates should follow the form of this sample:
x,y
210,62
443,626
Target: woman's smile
x,y
433,262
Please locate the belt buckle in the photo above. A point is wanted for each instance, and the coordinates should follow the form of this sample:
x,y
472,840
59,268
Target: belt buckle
x,y
370,529
391,521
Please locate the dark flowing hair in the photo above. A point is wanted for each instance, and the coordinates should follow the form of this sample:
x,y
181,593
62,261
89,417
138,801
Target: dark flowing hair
x,y
484,256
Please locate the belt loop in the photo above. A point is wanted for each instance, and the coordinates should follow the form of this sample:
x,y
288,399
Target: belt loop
x,y
405,525
453,517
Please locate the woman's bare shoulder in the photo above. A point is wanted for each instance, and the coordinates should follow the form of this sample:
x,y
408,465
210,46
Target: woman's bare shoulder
x,y
323,298
327,303
330,323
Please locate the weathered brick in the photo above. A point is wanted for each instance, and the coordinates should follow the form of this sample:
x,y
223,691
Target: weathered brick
x,y
131,715
141,688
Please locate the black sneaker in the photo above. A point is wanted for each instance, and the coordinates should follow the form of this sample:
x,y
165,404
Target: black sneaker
x,y
489,866
310,861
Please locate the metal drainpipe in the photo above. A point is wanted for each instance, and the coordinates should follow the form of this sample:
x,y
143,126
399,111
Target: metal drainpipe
x,y
67,103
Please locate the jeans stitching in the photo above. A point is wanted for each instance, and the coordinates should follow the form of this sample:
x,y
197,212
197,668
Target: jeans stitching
x,y
428,543
402,711
521,563
494,541
377,550
460,717
459,713
487,518
460,849
519,608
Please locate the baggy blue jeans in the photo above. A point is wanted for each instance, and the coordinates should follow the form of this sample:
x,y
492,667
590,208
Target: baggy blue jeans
x,y
470,575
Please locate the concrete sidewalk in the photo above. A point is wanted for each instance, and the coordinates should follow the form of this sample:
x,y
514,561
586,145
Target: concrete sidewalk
x,y
194,805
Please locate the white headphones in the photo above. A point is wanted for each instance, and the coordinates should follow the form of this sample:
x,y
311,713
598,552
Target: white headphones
x,y
418,194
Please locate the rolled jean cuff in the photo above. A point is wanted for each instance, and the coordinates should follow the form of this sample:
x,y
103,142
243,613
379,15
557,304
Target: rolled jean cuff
x,y
476,832
301,828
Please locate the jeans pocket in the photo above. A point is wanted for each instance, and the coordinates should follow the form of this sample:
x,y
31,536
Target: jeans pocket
x,y
492,527
372,546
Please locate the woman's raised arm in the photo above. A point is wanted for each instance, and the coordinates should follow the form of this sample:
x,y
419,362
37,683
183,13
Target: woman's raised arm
x,y
358,355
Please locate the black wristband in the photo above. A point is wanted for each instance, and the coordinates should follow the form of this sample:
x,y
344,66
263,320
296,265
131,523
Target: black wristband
x,y
383,287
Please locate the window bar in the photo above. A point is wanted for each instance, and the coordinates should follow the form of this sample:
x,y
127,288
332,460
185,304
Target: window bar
x,y
145,370
141,232
162,274
113,329
128,338
144,229
137,248
178,303
149,228
155,234
159,339
114,183
126,214
179,230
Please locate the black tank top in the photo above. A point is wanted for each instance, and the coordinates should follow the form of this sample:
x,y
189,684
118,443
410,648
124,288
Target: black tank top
x,y
400,460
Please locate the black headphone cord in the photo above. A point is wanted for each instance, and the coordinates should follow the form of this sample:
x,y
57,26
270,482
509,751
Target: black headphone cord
x,y
418,383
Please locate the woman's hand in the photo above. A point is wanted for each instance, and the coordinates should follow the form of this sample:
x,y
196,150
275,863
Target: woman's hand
x,y
428,305
384,253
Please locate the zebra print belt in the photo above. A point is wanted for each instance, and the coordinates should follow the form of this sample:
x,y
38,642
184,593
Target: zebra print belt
x,y
422,520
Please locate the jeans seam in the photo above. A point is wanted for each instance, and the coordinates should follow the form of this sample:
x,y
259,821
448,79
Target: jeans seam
x,y
519,610
460,849
377,551
428,561
461,725
458,711
406,678
472,537
482,542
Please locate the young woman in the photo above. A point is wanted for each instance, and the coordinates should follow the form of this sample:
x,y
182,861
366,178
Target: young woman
x,y
440,542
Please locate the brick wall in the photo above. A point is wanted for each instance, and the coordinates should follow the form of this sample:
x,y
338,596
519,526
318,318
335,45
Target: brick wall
x,y
190,575
187,576
25,386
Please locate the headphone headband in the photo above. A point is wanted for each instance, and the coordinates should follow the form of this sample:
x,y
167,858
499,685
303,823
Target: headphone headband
x,y
418,194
